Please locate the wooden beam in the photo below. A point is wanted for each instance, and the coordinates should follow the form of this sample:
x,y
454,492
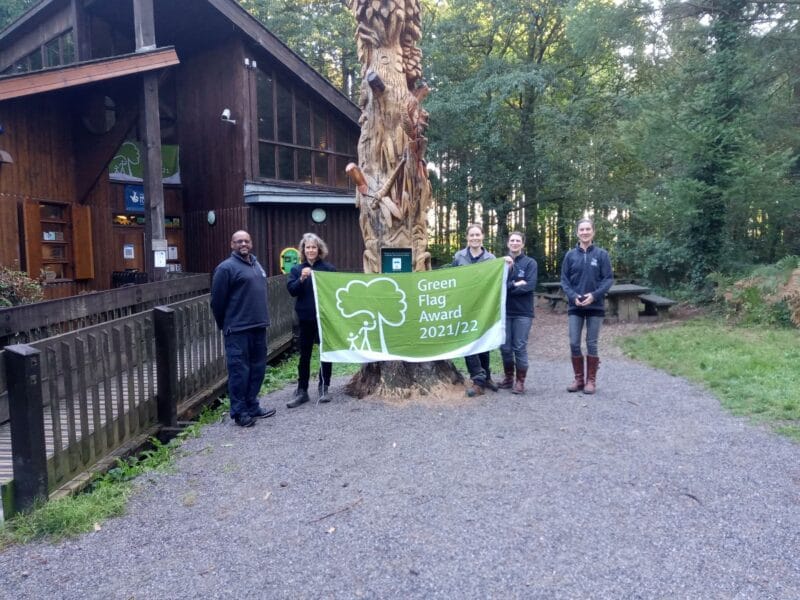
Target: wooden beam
x,y
81,31
155,239
63,77
144,25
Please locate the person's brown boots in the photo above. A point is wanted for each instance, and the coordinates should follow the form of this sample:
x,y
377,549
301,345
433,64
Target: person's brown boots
x,y
592,364
508,380
519,384
577,368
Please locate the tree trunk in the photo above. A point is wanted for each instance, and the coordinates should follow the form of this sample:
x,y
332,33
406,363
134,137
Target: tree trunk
x,y
393,190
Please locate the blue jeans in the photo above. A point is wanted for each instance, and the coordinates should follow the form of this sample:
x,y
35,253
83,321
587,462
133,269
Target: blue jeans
x,y
592,333
246,357
515,350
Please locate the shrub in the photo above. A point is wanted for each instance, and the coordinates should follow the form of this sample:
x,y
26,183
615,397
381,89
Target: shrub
x,y
17,288
769,295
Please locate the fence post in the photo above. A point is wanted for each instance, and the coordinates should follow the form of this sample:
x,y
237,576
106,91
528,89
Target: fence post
x,y
29,455
166,365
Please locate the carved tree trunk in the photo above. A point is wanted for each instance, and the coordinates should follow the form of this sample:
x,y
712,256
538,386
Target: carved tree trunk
x,y
393,190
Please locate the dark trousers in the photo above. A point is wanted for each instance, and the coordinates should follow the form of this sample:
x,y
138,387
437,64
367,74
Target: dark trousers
x,y
246,357
478,367
309,335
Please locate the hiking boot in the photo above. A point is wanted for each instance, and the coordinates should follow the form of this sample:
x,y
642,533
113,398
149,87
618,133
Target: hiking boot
x,y
263,413
508,380
324,396
492,385
475,390
244,421
300,397
577,368
592,364
519,383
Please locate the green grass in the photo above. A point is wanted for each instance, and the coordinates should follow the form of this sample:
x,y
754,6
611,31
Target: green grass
x,y
754,371
284,373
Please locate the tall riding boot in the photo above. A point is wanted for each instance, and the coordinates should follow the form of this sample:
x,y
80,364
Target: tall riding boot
x,y
508,380
519,384
592,364
577,368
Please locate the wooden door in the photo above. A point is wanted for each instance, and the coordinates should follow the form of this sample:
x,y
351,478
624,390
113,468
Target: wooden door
x,y
128,248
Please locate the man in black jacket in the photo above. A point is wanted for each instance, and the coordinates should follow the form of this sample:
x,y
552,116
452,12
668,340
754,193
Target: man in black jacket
x,y
239,304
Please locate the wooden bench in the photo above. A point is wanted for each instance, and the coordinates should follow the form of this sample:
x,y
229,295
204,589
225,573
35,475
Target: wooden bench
x,y
656,306
553,299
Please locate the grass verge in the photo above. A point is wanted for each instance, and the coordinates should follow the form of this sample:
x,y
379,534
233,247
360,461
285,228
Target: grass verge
x,y
752,370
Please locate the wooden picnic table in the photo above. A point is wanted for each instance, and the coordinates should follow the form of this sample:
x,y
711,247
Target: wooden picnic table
x,y
623,301
551,286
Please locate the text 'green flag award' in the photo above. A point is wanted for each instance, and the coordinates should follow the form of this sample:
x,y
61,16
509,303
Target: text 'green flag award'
x,y
414,317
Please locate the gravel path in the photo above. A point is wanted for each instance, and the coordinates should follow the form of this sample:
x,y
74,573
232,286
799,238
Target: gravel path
x,y
646,490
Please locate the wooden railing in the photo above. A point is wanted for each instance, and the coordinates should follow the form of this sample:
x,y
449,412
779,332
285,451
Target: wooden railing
x,y
31,322
76,397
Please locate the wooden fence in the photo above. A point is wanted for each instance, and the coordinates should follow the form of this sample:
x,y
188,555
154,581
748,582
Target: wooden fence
x,y
77,397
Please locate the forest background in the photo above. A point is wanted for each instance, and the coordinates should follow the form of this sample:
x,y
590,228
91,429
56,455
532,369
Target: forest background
x,y
675,125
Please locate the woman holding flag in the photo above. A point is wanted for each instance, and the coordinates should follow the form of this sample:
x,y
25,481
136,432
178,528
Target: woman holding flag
x,y
313,251
477,364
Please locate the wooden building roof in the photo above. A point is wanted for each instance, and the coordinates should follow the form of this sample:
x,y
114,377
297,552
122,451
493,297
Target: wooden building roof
x,y
172,26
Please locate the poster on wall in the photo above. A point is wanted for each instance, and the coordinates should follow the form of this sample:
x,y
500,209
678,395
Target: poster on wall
x,y
128,253
128,163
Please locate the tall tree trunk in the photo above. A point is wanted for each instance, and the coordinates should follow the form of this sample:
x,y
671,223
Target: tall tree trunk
x,y
393,190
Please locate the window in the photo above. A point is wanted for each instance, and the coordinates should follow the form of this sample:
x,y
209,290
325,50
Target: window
x,y
300,140
57,51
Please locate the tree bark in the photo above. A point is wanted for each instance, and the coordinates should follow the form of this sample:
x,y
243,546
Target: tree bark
x,y
393,190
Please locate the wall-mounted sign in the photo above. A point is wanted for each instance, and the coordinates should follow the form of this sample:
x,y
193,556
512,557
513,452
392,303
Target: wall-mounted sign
x,y
134,198
128,252
289,258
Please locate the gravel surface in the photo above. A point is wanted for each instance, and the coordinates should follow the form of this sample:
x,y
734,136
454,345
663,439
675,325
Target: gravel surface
x,y
646,490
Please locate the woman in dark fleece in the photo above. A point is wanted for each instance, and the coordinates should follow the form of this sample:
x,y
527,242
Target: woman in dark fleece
x,y
312,258
586,277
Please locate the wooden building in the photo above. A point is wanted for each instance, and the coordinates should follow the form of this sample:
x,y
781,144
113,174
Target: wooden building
x,y
249,135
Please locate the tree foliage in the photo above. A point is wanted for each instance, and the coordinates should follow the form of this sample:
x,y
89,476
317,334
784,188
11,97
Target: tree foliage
x,y
676,125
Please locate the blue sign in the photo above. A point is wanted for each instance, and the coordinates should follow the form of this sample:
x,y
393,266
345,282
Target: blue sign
x,y
134,198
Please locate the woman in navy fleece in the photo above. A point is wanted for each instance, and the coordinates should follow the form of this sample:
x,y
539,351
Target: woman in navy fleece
x,y
312,258
586,277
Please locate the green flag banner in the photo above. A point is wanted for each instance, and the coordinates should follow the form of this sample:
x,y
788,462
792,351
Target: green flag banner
x,y
414,317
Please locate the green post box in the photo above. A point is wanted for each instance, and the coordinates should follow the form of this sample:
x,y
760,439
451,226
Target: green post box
x,y
396,260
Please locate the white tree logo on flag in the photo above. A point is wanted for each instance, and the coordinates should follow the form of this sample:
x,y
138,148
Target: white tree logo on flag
x,y
359,298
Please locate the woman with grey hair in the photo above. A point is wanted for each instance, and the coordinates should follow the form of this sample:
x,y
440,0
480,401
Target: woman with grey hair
x,y
313,251
586,277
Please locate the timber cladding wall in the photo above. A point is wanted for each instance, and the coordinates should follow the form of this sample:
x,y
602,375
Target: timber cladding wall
x,y
279,226
212,151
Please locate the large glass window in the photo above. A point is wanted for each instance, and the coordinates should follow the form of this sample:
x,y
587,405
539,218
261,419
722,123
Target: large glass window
x,y
300,140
